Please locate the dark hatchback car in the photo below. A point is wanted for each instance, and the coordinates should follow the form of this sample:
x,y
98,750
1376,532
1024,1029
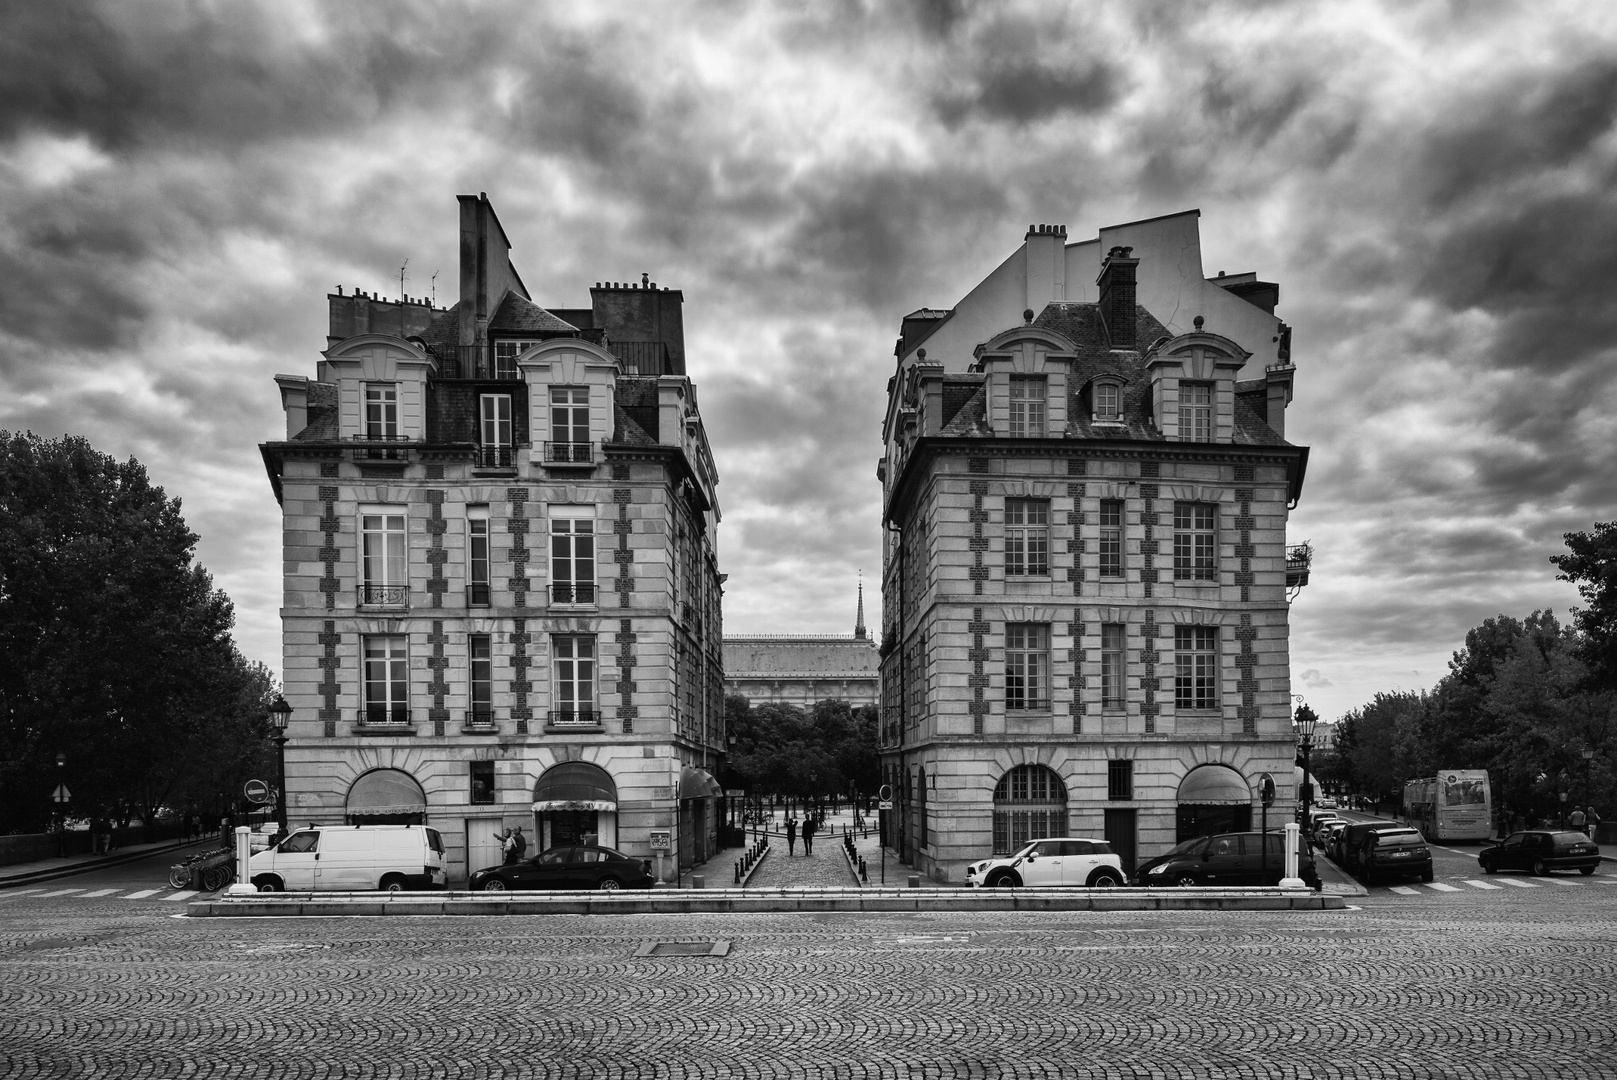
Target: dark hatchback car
x,y
1227,859
1396,852
1539,851
578,866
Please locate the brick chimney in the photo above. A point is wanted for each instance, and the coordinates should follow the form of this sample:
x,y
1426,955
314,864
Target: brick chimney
x,y
1117,303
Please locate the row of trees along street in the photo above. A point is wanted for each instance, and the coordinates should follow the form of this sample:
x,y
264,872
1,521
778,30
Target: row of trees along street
x,y
116,648
1524,698
780,749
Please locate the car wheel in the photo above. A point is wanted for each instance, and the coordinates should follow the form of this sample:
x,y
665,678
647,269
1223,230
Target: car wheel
x,y
1104,879
393,883
1539,869
1426,875
493,884
1487,866
267,883
1186,881
1586,870
1005,881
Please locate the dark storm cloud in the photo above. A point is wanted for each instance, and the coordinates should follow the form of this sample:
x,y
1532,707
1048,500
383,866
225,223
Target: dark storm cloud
x,y
1025,90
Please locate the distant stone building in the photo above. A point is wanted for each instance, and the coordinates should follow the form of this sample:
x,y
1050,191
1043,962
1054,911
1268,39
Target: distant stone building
x,y
803,669
1086,580
502,599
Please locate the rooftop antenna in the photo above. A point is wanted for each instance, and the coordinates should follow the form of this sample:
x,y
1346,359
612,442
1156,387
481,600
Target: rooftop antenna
x,y
435,274
402,276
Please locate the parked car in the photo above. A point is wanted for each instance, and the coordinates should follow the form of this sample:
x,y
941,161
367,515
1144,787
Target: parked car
x,y
1541,851
1228,859
351,858
1073,861
574,866
1400,852
1326,803
1321,825
1332,836
1353,840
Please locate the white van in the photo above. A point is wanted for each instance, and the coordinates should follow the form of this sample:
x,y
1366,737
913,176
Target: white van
x,y
352,858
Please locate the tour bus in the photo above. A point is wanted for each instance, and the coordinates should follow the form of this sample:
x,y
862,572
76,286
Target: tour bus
x,y
1456,804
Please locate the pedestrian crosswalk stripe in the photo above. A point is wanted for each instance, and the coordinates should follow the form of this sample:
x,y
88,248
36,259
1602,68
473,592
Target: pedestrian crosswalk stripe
x,y
18,892
98,892
142,894
1403,890
1559,881
1518,882
183,894
59,892
1440,887
1480,884
1608,880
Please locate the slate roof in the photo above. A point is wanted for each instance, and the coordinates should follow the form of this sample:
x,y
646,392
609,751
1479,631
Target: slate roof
x,y
634,416
322,425
519,314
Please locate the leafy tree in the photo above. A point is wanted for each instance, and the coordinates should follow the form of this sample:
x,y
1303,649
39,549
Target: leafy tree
x,y
781,749
117,649
1591,564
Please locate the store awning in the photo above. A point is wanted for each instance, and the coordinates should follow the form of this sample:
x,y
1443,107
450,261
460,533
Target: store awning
x,y
575,785
385,792
1215,785
697,783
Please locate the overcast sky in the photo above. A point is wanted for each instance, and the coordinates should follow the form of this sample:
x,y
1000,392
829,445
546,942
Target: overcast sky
x,y
1430,183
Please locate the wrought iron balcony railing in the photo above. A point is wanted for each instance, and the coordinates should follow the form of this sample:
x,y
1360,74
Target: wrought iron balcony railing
x,y
480,719
573,592
496,457
570,453
391,596
1299,558
382,447
375,715
573,718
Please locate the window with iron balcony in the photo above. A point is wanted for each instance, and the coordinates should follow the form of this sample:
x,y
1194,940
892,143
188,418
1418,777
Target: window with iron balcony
x,y
478,585
381,422
480,650
572,556
494,449
569,426
573,682
384,572
387,680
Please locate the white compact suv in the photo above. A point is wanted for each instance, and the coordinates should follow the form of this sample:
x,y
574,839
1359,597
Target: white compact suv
x,y
1072,861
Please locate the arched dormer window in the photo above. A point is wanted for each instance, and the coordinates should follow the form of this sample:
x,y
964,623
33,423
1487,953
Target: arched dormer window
x,y
1106,400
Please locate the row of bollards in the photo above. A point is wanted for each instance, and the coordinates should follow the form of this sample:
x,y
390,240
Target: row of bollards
x,y
751,857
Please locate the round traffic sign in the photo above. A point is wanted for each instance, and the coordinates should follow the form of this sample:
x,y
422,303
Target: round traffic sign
x,y
256,791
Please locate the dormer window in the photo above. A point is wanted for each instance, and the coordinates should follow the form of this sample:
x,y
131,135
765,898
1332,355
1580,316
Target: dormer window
x,y
505,357
381,411
1108,402
1027,406
1195,412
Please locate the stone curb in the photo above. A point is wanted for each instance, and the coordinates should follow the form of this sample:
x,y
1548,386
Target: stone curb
x,y
737,901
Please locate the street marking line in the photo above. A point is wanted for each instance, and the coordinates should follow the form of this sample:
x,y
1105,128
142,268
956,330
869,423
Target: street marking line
x,y
142,894
18,892
98,892
59,892
183,894
1520,884
1440,887
1480,884
1402,890
1560,881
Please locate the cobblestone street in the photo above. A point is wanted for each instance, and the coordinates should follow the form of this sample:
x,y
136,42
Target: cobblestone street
x,y
1462,983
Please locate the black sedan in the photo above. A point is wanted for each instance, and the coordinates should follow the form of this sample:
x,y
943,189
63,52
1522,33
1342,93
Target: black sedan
x,y
577,866
1539,851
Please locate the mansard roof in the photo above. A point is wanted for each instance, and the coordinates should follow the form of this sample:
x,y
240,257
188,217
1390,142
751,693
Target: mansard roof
x,y
519,314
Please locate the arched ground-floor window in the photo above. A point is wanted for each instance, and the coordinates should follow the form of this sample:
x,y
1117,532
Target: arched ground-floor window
x,y
575,803
385,797
1030,802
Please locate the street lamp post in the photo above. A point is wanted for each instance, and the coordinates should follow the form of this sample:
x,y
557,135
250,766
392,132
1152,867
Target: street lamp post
x,y
1588,794
280,715
61,806
1305,735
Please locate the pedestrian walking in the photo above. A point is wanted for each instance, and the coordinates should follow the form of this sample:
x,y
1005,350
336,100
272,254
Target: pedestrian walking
x,y
1577,820
791,837
1594,823
520,843
508,847
809,829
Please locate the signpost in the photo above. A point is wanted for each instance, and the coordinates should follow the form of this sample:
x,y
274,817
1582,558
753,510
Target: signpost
x,y
258,792
1266,794
884,803
661,842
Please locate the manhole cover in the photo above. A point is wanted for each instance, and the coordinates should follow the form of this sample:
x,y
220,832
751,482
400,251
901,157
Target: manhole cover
x,y
684,948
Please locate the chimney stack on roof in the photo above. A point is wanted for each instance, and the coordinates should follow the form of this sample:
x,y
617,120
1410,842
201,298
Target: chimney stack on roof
x,y
1118,308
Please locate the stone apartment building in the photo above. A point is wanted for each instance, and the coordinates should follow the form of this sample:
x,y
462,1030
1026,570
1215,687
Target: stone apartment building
x,y
502,597
802,669
1086,583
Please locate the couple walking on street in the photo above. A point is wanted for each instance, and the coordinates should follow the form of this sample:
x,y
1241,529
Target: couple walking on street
x,y
808,836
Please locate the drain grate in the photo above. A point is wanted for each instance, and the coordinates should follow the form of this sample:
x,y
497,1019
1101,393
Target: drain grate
x,y
683,948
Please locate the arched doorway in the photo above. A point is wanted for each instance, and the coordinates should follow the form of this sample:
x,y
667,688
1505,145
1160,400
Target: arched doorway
x,y
1030,802
697,829
1212,799
575,803
385,797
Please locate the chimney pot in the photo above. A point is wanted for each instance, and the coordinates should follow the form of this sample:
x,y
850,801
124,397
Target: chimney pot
x,y
645,280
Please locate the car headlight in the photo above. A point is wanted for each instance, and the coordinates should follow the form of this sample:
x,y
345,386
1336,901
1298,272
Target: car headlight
x,y
1162,869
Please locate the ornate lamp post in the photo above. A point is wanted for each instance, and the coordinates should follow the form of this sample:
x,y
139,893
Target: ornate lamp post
x,y
1588,794
1305,735
280,715
61,806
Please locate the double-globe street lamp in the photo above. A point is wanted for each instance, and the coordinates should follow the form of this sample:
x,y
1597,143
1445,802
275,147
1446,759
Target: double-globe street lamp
x,y
280,715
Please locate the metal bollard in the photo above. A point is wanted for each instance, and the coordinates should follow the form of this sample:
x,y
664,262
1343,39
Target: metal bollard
x,y
915,881
698,881
738,871
864,871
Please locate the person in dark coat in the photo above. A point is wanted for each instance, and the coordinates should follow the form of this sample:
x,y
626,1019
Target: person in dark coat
x,y
809,829
791,836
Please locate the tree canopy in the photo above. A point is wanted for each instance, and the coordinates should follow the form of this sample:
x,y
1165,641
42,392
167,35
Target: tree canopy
x,y
781,749
1591,564
117,648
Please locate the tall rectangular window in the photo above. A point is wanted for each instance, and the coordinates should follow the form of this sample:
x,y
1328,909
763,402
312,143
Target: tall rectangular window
x,y
494,430
505,357
384,574
1027,406
478,585
1195,542
480,647
1111,538
381,411
1027,537
573,692
1195,412
387,685
1120,779
1108,401
572,555
1195,667
569,423
1111,666
482,782
1027,666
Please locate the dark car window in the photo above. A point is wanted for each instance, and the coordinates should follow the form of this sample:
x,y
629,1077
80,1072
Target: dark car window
x,y
300,842
1079,847
1190,847
1225,845
613,855
590,855
556,857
